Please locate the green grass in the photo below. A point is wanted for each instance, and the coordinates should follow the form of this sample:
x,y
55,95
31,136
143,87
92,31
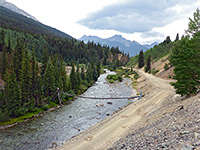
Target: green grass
x,y
21,118
114,77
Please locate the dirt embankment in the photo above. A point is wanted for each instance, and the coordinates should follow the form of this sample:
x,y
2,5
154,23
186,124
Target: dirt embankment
x,y
175,124
106,133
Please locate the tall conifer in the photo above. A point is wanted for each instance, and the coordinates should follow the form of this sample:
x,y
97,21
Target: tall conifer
x,y
49,80
12,94
141,59
26,84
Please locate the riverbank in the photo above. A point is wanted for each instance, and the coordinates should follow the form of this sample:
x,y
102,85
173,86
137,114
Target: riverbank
x,y
104,134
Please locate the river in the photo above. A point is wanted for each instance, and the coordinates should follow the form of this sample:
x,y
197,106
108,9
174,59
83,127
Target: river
x,y
69,120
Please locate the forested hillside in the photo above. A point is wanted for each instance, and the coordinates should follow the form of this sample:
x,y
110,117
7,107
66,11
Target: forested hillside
x,y
33,60
18,22
157,52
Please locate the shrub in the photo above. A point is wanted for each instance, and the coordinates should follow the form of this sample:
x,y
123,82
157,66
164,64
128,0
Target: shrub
x,y
45,107
111,81
4,116
112,78
154,71
166,67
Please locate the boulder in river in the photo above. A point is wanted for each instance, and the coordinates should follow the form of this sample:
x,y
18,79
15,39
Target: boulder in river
x,y
99,105
110,103
107,114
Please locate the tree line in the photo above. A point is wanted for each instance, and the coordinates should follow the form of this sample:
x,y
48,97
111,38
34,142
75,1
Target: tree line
x,y
31,85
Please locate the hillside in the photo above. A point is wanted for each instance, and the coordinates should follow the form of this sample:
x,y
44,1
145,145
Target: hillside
x,y
159,59
129,47
16,9
15,21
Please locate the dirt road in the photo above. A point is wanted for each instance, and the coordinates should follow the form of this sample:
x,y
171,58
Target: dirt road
x,y
110,130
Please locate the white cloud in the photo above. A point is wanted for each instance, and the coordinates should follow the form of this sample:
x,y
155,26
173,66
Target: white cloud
x,y
108,17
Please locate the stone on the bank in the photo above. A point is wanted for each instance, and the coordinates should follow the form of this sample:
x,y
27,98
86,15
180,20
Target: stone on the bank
x,y
54,144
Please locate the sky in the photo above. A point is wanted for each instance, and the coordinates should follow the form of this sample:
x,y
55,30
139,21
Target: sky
x,y
144,21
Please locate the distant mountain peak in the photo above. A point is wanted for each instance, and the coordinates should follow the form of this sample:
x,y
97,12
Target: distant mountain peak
x,y
15,9
130,47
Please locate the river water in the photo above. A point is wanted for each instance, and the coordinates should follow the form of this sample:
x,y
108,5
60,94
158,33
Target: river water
x,y
70,120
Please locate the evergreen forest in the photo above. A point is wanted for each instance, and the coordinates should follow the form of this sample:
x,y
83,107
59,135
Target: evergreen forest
x,y
33,66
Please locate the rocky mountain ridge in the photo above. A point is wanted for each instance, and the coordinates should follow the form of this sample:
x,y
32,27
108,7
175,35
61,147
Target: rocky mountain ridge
x,y
129,47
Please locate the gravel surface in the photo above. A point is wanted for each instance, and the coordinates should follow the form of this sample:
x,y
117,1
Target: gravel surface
x,y
175,125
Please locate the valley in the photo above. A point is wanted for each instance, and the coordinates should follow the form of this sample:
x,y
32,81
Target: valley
x,y
59,91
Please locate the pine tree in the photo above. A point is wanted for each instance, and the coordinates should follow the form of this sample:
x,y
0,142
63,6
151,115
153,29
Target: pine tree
x,y
73,79
177,37
9,48
49,81
94,73
78,75
4,64
2,42
186,60
141,59
17,59
99,68
148,64
89,73
45,59
194,24
168,40
82,73
57,72
12,95
35,80
26,84
63,75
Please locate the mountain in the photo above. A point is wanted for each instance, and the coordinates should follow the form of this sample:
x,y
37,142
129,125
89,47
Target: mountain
x,y
151,45
15,9
15,21
129,47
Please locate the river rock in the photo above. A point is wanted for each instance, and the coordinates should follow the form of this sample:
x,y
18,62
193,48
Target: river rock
x,y
99,105
70,116
33,128
110,103
54,144
197,144
184,132
99,113
180,107
107,114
